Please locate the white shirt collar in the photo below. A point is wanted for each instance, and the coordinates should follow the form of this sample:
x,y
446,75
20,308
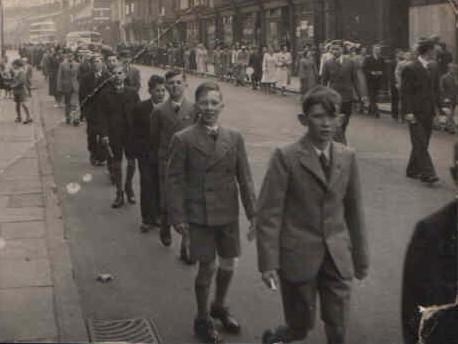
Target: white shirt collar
x,y
326,151
180,103
213,128
423,62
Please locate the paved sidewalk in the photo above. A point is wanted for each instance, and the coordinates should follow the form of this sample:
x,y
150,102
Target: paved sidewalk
x,y
38,298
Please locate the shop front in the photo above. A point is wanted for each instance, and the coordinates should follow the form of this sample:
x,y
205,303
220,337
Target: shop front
x,y
227,22
250,28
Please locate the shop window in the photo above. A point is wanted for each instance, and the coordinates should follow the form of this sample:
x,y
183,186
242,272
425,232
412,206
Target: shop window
x,y
228,30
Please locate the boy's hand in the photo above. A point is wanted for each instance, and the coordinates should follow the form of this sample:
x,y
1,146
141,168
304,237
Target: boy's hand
x,y
252,230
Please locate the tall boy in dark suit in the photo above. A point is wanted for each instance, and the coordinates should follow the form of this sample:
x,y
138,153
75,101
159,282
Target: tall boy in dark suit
x,y
310,225
116,103
170,117
146,152
208,165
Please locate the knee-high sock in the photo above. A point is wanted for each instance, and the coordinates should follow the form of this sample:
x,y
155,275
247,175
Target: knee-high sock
x,y
223,281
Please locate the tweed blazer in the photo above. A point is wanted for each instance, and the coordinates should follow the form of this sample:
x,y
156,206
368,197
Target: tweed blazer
x,y
204,177
300,214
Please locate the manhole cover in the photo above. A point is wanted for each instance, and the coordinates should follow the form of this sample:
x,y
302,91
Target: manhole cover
x,y
130,330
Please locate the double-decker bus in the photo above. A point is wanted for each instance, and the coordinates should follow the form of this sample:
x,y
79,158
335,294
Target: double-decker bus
x,y
43,32
76,39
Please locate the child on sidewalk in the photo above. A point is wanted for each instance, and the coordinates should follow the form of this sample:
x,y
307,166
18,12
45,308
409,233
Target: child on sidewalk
x,y
18,86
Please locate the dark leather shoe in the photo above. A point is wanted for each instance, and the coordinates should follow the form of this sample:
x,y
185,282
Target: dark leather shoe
x,y
429,179
230,324
413,175
119,201
205,330
130,195
185,257
146,227
165,235
281,335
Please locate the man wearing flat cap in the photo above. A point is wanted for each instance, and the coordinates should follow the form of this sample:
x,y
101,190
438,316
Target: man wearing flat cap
x,y
430,266
421,99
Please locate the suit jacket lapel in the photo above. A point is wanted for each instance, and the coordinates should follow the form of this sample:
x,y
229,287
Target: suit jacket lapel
x,y
201,140
309,160
222,146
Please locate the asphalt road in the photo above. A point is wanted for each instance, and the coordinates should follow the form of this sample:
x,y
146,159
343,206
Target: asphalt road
x,y
150,282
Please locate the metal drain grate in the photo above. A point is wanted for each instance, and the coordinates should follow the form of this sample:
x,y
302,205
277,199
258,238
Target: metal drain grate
x,y
130,330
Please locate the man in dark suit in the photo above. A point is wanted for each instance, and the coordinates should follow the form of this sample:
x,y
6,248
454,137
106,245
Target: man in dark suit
x,y
146,152
420,99
208,166
68,86
170,117
310,227
89,110
430,266
115,107
339,74
374,68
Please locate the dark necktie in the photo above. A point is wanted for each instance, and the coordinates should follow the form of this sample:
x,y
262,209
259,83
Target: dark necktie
x,y
213,133
325,165
177,108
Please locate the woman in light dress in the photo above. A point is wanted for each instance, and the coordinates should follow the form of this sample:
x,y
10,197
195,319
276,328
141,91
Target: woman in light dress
x,y
201,59
307,71
283,63
269,75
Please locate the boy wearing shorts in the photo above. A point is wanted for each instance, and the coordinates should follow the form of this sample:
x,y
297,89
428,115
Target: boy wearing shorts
x,y
19,87
208,164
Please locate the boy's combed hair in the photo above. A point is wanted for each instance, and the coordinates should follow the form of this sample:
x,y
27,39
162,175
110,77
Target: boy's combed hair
x,y
424,45
206,87
155,80
324,96
173,73
18,63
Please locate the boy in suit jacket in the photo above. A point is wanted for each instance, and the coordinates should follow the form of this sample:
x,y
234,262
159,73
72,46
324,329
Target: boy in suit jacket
x,y
340,74
146,152
68,86
116,103
310,225
170,117
208,165
89,110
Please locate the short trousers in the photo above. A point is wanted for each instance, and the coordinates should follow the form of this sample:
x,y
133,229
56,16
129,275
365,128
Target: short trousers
x,y
20,98
208,241
299,299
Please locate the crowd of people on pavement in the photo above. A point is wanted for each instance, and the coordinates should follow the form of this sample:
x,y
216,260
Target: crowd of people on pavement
x,y
192,169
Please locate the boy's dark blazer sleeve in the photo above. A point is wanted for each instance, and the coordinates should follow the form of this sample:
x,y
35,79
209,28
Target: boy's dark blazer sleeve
x,y
245,179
